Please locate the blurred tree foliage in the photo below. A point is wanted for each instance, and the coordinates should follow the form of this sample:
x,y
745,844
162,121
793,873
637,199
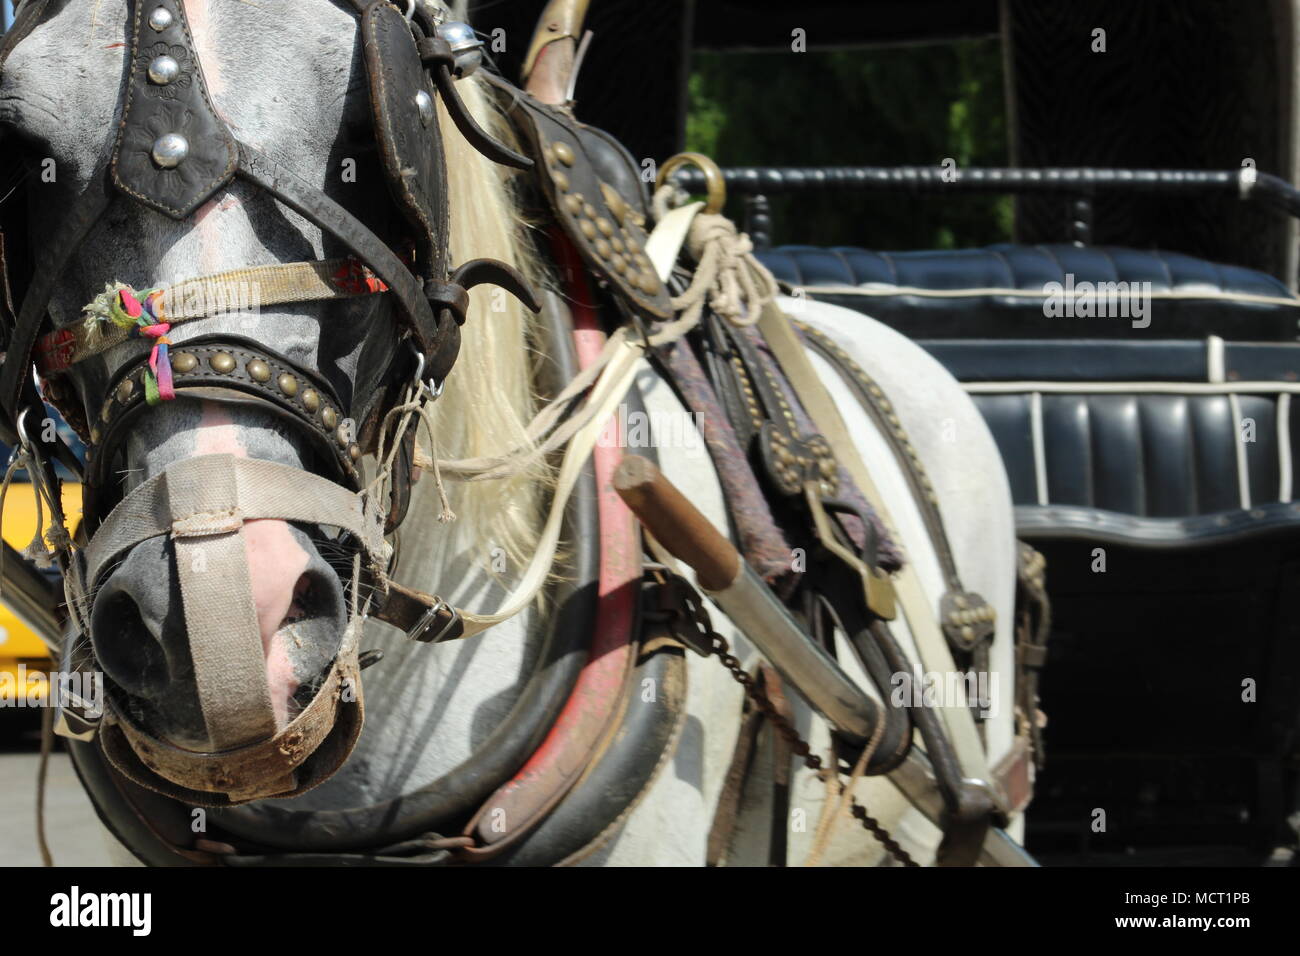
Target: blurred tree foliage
x,y
891,106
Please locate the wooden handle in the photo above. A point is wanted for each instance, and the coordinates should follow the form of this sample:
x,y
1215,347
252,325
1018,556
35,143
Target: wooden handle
x,y
677,523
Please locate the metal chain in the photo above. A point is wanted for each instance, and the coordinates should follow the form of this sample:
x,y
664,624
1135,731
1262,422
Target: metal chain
x,y
722,650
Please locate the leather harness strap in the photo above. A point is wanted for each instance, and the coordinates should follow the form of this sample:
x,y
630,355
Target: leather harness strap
x,y
964,829
917,607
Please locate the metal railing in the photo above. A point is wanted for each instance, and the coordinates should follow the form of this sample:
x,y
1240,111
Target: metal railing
x,y
1080,185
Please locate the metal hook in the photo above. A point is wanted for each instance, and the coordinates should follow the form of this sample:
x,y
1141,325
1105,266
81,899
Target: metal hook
x,y
434,390
23,437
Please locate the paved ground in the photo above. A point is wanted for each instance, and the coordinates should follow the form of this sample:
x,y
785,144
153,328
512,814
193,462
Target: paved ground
x,y
74,833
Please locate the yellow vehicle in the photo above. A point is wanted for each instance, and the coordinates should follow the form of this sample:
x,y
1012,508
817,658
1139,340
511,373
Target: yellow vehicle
x,y
24,660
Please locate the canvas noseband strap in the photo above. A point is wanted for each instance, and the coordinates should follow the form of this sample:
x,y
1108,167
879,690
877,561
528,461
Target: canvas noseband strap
x,y
203,503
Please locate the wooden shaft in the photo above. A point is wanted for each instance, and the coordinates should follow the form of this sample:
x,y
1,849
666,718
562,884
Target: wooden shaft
x,y
677,523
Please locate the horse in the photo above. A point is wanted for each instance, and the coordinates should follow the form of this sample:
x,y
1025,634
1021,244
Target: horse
x,y
289,79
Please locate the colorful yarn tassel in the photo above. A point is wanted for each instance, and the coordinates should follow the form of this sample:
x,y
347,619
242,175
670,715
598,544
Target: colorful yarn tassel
x,y
145,319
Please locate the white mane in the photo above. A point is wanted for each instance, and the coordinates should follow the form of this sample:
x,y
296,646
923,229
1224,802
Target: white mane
x,y
489,399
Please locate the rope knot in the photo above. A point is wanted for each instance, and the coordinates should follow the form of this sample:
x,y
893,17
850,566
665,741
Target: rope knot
x,y
735,285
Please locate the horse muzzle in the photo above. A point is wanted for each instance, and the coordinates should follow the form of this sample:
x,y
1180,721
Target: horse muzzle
x,y
285,764
202,504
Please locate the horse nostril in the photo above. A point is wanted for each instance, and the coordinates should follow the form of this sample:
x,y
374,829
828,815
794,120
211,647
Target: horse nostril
x,y
129,652
136,623
314,596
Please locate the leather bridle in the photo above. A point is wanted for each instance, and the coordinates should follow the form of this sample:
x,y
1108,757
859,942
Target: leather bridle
x,y
171,152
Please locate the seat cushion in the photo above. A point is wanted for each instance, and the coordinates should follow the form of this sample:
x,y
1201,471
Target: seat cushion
x,y
1174,434
1047,291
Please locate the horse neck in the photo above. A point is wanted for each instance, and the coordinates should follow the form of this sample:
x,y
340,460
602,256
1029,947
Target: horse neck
x,y
429,708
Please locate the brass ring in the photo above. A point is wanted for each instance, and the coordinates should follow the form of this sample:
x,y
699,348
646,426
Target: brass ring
x,y
715,185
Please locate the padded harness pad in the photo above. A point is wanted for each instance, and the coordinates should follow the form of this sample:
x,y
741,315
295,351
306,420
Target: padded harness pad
x,y
596,216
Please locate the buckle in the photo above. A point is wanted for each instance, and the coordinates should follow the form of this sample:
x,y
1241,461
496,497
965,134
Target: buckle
x,y
420,631
877,587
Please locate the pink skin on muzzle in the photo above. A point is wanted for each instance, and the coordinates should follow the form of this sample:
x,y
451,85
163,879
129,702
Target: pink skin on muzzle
x,y
276,563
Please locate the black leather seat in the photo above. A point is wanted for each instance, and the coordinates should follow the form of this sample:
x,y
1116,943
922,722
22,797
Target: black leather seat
x,y
1170,432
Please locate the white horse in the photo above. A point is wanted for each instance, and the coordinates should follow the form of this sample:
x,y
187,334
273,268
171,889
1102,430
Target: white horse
x,y
286,77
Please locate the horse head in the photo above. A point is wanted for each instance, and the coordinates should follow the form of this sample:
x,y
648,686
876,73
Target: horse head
x,y
237,223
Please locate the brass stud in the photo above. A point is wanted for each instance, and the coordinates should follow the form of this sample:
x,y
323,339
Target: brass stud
x,y
354,451
184,362
94,435
106,412
602,248
258,371
967,634
561,181
222,362
573,204
589,210
310,400
563,152
605,226
614,201
342,436
588,228
329,418
125,389
959,600
288,384
617,243
619,264
634,247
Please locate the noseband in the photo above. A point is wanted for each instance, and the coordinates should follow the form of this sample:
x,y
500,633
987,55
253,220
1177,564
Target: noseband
x,y
172,153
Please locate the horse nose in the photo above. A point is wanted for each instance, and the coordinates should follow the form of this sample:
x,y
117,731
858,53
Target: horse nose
x,y
137,630
140,637
137,622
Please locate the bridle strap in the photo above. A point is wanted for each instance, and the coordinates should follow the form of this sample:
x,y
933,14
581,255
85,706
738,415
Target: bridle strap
x,y
308,201
211,563
263,489
51,260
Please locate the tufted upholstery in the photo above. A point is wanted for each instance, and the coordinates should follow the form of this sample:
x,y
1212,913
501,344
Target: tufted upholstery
x,y
1004,290
1108,432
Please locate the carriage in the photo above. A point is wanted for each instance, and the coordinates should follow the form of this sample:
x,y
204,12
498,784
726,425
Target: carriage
x,y
1134,351
1140,401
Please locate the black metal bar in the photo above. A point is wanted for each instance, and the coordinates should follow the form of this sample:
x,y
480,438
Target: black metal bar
x,y
1264,188
36,598
758,221
1080,219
